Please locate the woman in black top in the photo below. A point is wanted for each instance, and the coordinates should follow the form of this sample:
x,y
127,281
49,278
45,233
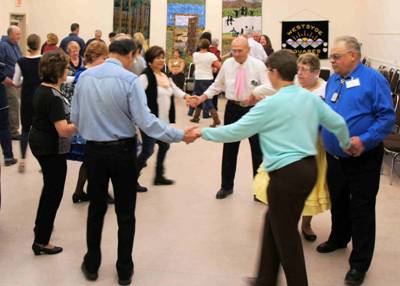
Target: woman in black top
x,y
75,64
49,144
266,43
27,74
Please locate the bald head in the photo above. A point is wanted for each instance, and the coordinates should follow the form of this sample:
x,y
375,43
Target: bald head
x,y
14,34
240,49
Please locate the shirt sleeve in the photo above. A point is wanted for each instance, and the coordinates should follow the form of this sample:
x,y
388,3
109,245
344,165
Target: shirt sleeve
x,y
147,121
264,90
17,79
332,121
56,109
176,90
144,81
384,115
251,123
218,85
2,57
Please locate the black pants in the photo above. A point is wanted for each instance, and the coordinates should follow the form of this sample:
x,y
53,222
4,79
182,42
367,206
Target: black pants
x,y
148,149
117,163
288,189
54,170
353,185
5,134
233,113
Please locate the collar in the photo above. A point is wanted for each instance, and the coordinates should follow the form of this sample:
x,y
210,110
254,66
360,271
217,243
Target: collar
x,y
114,61
355,73
243,64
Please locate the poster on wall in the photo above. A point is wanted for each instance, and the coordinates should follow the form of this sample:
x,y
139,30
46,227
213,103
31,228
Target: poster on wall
x,y
239,16
306,37
131,16
185,22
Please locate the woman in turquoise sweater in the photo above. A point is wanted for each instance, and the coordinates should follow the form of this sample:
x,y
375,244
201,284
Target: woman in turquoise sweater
x,y
287,124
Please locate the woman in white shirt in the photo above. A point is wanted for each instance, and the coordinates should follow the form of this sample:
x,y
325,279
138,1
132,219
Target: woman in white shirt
x,y
204,63
160,90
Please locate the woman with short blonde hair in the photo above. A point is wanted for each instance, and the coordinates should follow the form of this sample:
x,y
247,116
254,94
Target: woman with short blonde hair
x,y
50,44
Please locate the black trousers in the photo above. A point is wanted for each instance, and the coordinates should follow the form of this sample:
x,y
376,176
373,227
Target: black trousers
x,y
288,189
54,170
233,113
117,163
353,185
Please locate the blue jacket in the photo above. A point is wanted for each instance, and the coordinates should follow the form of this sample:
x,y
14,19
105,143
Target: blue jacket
x,y
9,55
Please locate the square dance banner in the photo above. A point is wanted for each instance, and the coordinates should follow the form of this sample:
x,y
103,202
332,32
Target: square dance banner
x,y
306,37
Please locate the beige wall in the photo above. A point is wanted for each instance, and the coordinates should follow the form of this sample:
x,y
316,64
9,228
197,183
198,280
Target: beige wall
x,y
381,32
6,8
56,16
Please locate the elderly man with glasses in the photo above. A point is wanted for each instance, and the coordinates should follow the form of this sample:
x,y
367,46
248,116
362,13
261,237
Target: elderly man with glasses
x,y
362,96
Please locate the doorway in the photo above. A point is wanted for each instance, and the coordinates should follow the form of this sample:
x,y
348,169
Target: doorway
x,y
20,21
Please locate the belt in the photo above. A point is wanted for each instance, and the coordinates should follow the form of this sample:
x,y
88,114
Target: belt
x,y
112,143
240,103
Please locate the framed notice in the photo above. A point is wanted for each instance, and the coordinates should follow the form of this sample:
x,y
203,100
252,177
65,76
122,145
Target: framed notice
x,y
306,37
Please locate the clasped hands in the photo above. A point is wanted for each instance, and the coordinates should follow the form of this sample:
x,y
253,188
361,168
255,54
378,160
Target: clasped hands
x,y
356,147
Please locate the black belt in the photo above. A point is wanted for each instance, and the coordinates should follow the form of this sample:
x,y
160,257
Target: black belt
x,y
240,103
112,143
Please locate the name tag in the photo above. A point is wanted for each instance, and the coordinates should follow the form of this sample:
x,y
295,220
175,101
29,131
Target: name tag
x,y
334,97
353,83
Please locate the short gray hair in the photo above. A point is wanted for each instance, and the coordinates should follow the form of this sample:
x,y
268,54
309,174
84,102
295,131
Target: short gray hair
x,y
350,42
215,42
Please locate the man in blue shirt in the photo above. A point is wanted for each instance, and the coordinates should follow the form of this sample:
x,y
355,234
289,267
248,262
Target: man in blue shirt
x,y
73,36
109,101
10,53
362,96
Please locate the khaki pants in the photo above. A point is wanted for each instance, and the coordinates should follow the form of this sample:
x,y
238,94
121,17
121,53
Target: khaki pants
x,y
13,97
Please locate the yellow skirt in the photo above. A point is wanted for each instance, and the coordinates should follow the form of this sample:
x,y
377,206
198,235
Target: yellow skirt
x,y
317,202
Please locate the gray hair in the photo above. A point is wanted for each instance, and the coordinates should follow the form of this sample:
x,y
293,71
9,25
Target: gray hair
x,y
215,42
12,29
351,43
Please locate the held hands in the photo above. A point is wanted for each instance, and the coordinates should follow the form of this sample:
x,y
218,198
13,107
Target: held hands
x,y
356,148
191,134
194,101
8,82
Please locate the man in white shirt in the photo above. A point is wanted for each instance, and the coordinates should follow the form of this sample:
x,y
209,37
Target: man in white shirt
x,y
256,49
238,77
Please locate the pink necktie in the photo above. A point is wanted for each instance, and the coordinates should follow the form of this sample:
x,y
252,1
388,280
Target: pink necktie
x,y
240,82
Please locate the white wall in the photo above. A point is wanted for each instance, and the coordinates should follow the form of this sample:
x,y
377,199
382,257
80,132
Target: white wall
x,y
8,7
45,16
381,32
57,16
343,21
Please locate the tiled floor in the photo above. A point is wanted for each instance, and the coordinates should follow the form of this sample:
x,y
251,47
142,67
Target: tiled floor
x,y
184,237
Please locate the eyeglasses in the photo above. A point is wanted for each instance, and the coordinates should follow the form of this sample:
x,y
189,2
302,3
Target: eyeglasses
x,y
303,69
336,57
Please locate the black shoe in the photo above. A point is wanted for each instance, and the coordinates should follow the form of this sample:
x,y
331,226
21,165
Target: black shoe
x,y
110,200
16,137
328,246
257,200
127,281
39,250
10,161
77,198
161,180
223,193
141,189
88,275
354,277
308,237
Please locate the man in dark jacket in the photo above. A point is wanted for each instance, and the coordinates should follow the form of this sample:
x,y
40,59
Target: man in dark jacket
x,y
9,55
73,36
5,136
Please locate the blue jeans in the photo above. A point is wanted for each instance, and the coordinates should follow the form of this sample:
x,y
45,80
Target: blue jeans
x,y
148,150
